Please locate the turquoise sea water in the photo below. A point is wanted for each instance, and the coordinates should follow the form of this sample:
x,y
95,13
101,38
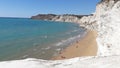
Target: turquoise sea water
x,y
26,38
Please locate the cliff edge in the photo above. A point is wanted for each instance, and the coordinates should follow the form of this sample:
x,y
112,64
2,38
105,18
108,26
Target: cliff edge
x,y
106,21
61,18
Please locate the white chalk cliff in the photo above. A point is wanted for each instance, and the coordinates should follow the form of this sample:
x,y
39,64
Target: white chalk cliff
x,y
106,20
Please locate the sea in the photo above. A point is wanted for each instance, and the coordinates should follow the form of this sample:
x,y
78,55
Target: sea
x,y
22,38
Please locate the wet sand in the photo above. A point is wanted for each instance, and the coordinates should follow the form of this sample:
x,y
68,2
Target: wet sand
x,y
87,46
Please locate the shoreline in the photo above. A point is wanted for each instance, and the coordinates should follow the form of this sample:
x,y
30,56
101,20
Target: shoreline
x,y
86,46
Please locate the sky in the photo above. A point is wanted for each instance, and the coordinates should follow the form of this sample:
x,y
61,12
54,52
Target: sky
x,y
28,8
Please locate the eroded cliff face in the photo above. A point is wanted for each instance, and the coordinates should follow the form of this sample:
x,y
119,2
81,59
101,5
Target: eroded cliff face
x,y
68,18
106,20
61,18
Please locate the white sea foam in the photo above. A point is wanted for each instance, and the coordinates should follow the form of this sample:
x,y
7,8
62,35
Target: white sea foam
x,y
69,40
46,48
76,30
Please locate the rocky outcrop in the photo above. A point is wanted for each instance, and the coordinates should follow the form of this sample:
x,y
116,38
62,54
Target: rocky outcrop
x,y
83,20
108,0
44,16
62,18
68,18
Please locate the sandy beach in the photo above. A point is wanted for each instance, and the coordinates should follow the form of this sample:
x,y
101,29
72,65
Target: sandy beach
x,y
87,46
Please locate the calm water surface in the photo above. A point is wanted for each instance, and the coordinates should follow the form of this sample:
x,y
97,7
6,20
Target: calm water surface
x,y
26,38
